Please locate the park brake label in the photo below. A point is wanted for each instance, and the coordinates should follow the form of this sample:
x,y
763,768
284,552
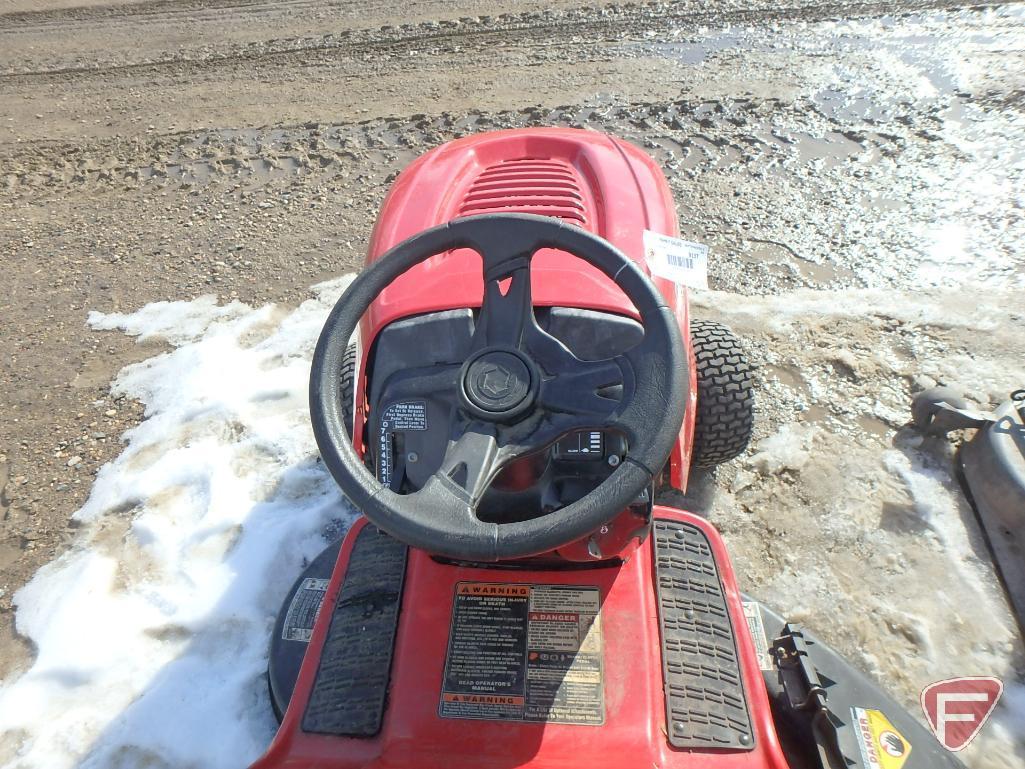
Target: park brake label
x,y
681,261
519,652
397,418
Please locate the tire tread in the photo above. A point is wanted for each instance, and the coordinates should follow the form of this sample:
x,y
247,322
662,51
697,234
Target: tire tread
x,y
348,385
725,410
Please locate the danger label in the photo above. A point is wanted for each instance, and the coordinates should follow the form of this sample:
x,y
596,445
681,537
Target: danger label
x,y
882,746
525,653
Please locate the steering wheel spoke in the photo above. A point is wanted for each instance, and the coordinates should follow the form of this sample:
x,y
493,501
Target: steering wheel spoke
x,y
506,310
595,389
423,382
472,460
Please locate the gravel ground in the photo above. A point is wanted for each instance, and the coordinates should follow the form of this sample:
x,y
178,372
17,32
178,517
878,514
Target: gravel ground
x,y
873,150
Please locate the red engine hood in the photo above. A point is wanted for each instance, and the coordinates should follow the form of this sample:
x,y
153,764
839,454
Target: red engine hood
x,y
592,180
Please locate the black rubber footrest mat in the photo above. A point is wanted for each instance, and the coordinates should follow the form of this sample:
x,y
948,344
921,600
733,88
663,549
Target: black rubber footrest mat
x,y
351,686
705,702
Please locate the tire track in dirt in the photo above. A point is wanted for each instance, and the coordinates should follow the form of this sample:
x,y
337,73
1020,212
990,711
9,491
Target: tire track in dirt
x,y
171,12
737,146
684,135
609,23
136,13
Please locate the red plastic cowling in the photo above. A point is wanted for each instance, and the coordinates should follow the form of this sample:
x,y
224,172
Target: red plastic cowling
x,y
633,736
592,180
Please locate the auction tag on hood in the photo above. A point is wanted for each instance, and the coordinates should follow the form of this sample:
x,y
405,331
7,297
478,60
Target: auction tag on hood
x,y
681,261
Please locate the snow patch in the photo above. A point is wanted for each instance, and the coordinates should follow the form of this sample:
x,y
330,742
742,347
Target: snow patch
x,y
941,507
152,630
976,309
1008,726
176,322
789,448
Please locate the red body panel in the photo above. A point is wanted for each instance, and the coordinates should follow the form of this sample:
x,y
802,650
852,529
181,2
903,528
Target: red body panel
x,y
633,735
595,181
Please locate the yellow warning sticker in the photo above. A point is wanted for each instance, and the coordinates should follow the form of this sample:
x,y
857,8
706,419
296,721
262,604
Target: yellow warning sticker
x,y
882,746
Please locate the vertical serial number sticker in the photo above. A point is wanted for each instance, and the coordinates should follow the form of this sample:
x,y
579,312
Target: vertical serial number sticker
x,y
753,615
304,610
681,261
521,652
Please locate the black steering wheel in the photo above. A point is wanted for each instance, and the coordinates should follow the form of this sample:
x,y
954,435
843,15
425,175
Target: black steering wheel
x,y
519,390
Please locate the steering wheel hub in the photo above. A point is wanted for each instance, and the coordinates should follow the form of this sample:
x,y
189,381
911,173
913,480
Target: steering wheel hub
x,y
497,384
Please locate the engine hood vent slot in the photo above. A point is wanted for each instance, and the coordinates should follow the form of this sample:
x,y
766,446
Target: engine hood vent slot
x,y
527,186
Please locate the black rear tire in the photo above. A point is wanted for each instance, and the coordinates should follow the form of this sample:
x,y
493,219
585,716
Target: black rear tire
x,y
725,416
348,382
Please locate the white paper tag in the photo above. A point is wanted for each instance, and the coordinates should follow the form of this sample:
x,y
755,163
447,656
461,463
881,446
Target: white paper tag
x,y
681,261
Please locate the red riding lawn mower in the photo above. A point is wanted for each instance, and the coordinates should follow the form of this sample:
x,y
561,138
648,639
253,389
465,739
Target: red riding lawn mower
x,y
519,387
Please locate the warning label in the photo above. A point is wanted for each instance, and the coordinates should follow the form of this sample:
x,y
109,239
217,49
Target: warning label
x,y
524,653
303,611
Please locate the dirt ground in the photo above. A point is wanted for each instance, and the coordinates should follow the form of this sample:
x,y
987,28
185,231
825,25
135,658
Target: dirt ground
x,y
163,150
